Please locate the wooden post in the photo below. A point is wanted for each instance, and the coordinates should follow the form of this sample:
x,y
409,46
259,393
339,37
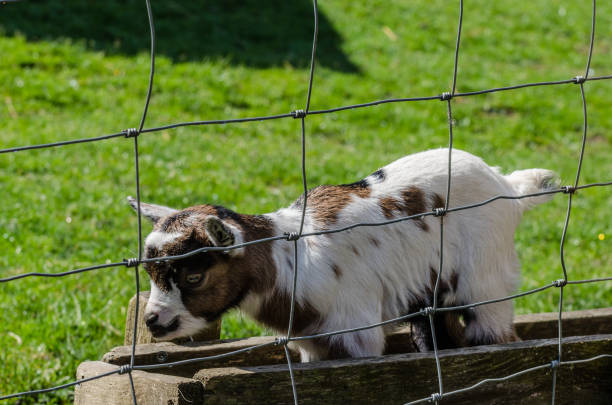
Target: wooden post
x,y
151,388
144,336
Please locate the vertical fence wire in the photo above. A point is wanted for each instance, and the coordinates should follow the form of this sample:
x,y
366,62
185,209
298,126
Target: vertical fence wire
x,y
295,237
138,208
442,212
571,190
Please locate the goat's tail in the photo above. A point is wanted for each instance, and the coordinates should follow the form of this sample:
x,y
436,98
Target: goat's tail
x,y
532,181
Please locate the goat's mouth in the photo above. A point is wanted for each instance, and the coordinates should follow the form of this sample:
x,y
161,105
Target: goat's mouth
x,y
158,330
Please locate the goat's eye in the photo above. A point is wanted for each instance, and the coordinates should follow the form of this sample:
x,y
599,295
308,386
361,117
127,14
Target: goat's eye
x,y
194,278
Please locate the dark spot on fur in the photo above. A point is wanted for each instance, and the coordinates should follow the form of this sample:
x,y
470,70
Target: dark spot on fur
x,y
224,213
437,201
412,202
151,251
361,184
374,242
443,288
388,205
447,335
454,280
274,312
337,271
468,315
355,251
337,351
379,175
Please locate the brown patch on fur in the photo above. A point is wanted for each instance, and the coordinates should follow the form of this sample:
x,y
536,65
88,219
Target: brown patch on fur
x,y
450,332
274,312
454,329
438,201
327,201
374,242
388,205
443,287
337,351
411,203
337,271
454,280
355,251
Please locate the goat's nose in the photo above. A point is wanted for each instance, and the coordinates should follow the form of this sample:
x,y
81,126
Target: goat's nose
x,y
150,319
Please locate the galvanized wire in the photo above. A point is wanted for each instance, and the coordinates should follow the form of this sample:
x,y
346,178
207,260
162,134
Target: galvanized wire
x,y
295,237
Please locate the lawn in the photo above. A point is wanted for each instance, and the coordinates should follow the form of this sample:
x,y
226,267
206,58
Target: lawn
x,y
77,69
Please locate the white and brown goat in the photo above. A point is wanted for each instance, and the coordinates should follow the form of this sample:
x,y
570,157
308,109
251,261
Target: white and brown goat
x,y
353,278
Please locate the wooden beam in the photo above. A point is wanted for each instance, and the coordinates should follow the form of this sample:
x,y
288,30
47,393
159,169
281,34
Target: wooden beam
x,y
166,352
533,326
406,377
575,323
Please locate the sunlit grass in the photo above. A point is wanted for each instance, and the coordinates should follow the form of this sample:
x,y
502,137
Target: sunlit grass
x,y
64,208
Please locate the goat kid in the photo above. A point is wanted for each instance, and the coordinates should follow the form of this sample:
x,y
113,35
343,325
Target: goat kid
x,y
358,277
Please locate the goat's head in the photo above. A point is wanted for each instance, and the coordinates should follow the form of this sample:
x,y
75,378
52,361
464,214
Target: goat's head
x,y
190,292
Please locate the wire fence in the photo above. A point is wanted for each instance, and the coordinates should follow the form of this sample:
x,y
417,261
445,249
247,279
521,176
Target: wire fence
x,y
293,237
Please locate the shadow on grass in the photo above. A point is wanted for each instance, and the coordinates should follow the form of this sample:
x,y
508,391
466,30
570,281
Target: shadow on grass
x,y
250,32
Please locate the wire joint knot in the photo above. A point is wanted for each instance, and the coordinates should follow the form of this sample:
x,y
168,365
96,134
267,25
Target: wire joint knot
x,y
560,283
298,114
292,236
579,79
428,311
445,96
126,368
281,341
568,189
439,212
131,133
133,262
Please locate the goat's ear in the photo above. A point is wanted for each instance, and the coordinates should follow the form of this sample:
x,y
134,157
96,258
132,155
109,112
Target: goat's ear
x,y
151,211
218,232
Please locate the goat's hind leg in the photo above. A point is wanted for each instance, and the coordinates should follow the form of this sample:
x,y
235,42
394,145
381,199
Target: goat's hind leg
x,y
449,332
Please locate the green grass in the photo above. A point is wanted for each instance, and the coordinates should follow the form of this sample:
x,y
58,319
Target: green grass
x,y
69,71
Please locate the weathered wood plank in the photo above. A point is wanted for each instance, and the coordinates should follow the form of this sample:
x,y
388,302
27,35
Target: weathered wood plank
x,y
534,326
167,352
405,377
151,388
144,336
575,323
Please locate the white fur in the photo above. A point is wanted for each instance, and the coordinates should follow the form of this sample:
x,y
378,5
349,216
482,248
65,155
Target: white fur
x,y
159,239
377,284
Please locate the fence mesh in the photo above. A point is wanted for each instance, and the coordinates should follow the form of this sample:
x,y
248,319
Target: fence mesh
x,y
293,237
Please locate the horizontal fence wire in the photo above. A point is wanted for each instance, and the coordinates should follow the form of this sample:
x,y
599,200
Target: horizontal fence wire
x,y
293,237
